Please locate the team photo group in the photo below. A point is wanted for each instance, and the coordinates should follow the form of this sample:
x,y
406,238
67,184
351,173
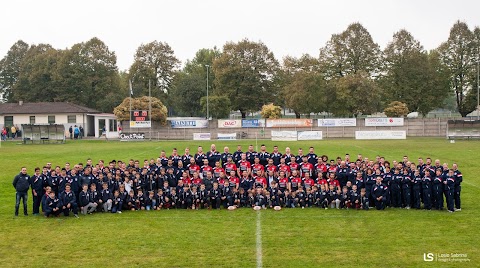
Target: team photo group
x,y
250,179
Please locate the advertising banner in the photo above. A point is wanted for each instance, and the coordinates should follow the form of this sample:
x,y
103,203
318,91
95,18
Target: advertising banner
x,y
289,123
249,123
234,123
202,136
227,136
193,123
340,122
284,135
381,135
383,122
310,135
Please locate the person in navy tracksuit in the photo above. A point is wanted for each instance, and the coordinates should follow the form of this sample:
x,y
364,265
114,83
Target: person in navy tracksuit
x,y
458,188
37,190
379,192
438,190
69,201
449,183
417,187
406,188
396,189
427,191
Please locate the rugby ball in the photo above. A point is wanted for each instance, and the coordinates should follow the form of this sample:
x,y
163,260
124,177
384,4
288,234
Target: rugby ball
x,y
231,207
277,208
257,207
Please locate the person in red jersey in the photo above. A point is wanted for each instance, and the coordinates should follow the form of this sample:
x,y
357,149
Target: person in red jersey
x,y
196,180
186,179
217,170
282,182
257,168
193,167
230,166
295,181
271,167
332,180
206,168
293,164
306,167
233,180
308,182
260,181
320,169
244,165
284,167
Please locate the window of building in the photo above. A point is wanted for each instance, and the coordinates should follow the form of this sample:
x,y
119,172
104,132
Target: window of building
x,y
8,120
112,125
32,119
51,119
72,119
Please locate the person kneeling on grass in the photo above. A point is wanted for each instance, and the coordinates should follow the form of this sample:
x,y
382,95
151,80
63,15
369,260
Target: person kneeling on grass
x,y
86,204
54,206
69,201
117,202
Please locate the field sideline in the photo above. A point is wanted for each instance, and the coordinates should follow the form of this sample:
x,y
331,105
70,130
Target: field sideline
x,y
288,238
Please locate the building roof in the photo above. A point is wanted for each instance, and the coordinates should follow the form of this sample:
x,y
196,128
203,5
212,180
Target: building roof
x,y
44,108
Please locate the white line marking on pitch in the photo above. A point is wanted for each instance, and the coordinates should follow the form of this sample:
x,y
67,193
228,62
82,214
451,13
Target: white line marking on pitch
x,y
469,183
259,241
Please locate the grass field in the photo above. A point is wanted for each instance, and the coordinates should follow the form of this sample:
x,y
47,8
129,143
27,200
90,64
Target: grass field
x,y
288,238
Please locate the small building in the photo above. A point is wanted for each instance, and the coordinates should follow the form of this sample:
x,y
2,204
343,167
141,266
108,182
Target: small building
x,y
65,113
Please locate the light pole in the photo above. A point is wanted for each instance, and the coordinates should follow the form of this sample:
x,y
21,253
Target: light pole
x,y
208,66
478,86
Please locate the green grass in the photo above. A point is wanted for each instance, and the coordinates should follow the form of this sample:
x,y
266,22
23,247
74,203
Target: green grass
x,y
290,238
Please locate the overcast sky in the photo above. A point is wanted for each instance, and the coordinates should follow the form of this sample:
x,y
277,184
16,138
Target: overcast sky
x,y
286,27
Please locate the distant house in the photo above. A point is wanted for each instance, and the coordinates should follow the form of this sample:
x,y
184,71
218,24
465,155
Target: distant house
x,y
65,113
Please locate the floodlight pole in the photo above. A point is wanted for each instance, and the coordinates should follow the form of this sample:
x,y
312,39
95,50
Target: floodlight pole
x,y
208,66
478,86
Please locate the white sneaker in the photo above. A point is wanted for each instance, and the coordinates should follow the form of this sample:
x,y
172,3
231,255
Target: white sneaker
x,y
407,207
458,209
119,212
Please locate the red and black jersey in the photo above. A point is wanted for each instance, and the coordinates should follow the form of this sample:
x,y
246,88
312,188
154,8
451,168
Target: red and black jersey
x,y
258,169
244,165
197,182
306,168
336,183
294,166
309,183
332,169
187,181
229,167
234,181
285,168
295,183
217,171
321,181
282,183
260,181
205,169
320,169
193,168
271,168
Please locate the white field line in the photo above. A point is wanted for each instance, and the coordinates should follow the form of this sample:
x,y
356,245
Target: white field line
x,y
258,234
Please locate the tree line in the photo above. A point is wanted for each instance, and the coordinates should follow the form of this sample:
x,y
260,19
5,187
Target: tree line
x,y
350,76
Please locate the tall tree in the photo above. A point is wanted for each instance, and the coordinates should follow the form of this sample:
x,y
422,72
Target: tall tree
x,y
89,75
247,74
37,80
10,69
155,62
190,84
356,94
304,89
411,76
458,55
350,52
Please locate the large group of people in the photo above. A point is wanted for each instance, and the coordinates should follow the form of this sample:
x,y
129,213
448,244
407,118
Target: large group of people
x,y
259,180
